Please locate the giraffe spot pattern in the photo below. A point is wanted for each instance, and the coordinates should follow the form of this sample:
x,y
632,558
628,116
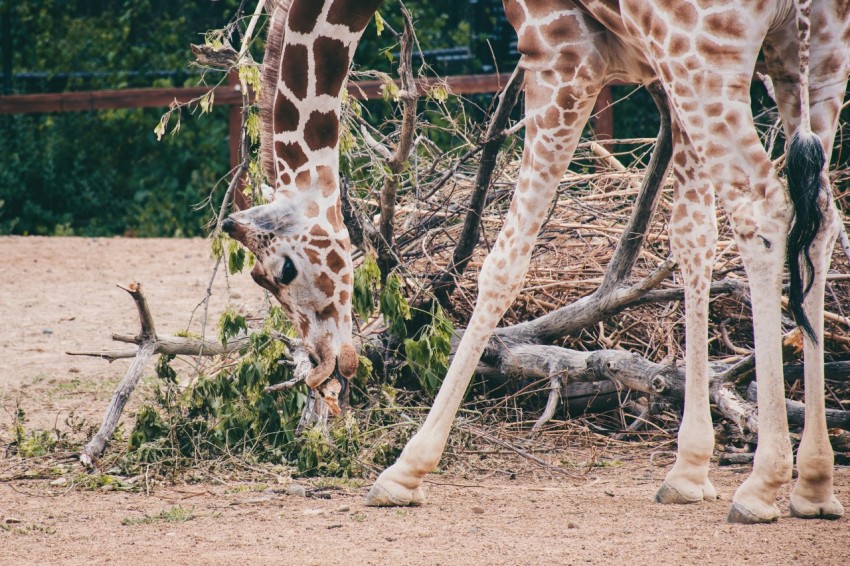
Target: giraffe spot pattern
x,y
303,180
325,284
293,72
355,15
291,153
286,115
331,57
321,130
303,15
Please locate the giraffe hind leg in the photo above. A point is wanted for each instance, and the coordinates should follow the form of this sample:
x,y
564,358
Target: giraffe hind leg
x,y
813,495
710,96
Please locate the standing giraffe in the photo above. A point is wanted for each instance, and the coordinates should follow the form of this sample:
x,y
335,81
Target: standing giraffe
x,y
704,53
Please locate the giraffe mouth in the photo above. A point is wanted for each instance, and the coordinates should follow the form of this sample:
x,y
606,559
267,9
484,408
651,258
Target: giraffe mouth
x,y
332,392
330,386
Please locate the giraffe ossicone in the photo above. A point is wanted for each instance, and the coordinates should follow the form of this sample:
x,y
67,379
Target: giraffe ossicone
x,y
704,53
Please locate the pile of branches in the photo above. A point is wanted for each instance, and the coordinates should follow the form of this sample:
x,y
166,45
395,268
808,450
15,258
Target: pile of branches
x,y
602,279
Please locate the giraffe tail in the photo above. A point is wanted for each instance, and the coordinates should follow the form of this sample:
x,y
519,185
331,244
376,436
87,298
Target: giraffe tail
x,y
805,163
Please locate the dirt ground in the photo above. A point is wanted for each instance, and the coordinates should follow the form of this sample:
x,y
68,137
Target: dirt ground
x,y
59,295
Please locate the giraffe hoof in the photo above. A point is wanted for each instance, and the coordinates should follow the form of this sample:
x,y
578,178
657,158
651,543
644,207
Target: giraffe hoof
x,y
831,509
741,515
669,495
394,495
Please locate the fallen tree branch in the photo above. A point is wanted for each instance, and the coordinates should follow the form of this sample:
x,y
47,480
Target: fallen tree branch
x,y
169,345
94,449
632,371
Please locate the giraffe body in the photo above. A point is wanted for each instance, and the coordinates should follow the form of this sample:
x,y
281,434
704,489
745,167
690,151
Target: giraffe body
x,y
703,52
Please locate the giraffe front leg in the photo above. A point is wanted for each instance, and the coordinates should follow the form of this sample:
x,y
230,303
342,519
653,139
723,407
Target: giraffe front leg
x,y
693,241
552,133
501,277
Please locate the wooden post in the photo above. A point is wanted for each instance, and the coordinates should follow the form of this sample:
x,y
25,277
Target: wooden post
x,y
235,143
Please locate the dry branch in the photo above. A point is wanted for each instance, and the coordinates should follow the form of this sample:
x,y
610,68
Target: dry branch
x,y
170,346
147,346
632,371
396,161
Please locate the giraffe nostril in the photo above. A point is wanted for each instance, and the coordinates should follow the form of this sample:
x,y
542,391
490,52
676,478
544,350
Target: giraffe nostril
x,y
228,225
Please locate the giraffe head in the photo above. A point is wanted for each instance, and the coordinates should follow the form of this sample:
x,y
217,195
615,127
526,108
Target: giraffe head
x,y
303,259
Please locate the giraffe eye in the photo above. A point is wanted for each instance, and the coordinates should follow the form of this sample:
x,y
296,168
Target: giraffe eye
x,y
287,272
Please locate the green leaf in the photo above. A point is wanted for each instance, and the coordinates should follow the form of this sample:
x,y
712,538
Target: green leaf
x,y
230,324
217,245
249,75
235,257
206,102
379,23
366,278
252,127
428,355
394,306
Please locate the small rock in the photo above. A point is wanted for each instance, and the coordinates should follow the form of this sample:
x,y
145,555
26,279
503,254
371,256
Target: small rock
x,y
12,520
46,331
313,512
59,482
107,487
297,490
477,509
343,509
235,295
335,526
572,525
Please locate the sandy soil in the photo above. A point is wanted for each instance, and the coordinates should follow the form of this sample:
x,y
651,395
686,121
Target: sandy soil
x,y
59,294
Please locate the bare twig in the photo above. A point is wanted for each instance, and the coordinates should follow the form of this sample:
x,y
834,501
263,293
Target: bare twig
x,y
408,95
147,336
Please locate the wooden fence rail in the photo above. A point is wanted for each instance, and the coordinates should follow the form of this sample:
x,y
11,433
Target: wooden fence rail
x,y
226,94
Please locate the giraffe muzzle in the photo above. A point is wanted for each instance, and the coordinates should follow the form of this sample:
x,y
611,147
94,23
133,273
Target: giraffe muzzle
x,y
228,226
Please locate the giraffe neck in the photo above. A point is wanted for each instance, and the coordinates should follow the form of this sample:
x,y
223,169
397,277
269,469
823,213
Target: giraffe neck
x,y
318,43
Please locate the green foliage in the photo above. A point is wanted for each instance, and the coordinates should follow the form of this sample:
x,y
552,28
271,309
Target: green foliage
x,y
235,257
394,306
230,324
103,173
336,455
164,371
428,355
367,276
33,443
230,413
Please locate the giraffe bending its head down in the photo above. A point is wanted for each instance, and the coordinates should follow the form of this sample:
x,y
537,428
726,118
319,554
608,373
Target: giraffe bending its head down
x,y
703,53
299,239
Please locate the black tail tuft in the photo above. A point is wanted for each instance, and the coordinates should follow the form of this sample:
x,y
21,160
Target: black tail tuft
x,y
804,165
